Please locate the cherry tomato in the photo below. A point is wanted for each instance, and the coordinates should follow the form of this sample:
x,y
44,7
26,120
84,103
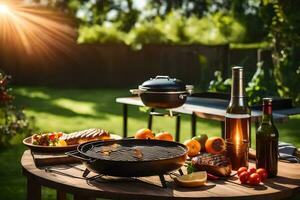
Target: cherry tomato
x,y
254,179
51,136
241,169
252,170
244,176
262,173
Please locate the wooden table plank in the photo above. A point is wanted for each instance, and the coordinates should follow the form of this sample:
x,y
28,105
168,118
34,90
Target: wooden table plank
x,y
46,159
286,184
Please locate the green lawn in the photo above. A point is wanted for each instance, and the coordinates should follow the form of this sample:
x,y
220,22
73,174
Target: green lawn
x,y
74,109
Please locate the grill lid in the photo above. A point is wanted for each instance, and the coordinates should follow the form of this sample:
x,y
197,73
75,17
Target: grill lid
x,y
163,84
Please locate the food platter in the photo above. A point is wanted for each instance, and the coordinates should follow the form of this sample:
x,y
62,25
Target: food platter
x,y
55,149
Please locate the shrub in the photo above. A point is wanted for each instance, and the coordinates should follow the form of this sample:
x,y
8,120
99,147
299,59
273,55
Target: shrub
x,y
99,34
12,121
261,85
145,33
174,28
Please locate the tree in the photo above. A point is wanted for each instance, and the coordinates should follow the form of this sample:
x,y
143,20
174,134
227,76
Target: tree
x,y
282,19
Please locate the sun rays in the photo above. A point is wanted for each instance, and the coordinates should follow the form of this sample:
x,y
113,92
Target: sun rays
x,y
34,31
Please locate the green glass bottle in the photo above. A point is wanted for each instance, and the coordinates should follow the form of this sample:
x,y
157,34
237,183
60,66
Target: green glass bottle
x,y
267,141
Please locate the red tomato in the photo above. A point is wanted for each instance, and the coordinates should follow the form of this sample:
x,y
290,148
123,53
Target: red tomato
x,y
254,179
241,169
262,173
244,176
51,136
252,170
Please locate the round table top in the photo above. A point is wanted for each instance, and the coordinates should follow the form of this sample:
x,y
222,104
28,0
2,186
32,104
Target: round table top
x,y
69,179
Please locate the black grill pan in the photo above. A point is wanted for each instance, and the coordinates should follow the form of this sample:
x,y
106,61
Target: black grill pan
x,y
131,157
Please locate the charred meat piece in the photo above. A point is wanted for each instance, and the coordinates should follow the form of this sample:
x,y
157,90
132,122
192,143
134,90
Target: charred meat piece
x,y
217,165
137,153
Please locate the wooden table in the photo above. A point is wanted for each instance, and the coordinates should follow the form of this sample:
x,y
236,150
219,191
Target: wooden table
x,y
68,179
206,108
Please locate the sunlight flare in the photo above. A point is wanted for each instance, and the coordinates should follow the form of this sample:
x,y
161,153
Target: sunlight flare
x,y
4,9
33,31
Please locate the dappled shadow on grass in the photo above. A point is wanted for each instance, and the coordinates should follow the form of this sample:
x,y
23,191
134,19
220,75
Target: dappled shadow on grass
x,y
47,106
94,104
101,102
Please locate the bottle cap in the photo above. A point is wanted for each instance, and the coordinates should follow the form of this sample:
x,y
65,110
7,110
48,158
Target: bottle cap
x,y
267,101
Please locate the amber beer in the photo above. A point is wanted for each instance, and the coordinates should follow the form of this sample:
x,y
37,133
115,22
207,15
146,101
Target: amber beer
x,y
237,122
267,141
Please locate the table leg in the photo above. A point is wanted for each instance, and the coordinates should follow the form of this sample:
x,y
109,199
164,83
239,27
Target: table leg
x,y
34,190
223,129
150,118
61,195
178,119
194,121
81,197
125,117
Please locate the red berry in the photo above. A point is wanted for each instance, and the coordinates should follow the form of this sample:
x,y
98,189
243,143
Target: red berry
x,y
254,179
252,170
244,176
262,173
241,169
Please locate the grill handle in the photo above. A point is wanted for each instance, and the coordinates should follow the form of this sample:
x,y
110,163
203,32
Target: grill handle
x,y
78,155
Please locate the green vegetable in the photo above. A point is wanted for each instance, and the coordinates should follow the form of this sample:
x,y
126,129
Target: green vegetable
x,y
191,168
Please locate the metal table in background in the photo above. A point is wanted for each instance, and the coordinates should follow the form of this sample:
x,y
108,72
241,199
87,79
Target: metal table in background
x,y
206,108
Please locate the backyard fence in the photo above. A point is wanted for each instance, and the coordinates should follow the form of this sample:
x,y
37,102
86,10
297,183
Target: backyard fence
x,y
55,59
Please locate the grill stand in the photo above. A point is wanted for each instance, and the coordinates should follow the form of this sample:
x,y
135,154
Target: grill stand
x,y
170,114
161,177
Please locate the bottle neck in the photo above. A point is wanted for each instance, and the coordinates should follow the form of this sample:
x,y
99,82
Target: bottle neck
x,y
237,88
267,114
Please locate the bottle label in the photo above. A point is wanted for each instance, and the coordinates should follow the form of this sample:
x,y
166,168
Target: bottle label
x,y
237,116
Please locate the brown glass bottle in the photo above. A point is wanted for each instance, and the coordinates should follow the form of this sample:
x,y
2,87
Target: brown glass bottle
x,y
237,122
267,141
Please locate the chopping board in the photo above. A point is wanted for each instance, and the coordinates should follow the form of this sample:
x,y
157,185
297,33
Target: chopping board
x,y
48,159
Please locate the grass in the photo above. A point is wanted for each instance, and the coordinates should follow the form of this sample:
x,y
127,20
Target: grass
x,y
74,109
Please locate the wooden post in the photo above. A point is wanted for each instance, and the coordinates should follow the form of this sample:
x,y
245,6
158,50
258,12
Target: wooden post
x,y
225,61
